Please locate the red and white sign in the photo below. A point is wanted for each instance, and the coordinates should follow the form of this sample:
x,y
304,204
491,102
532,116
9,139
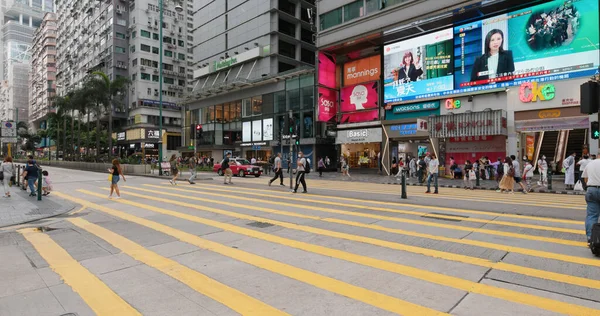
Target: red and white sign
x,y
359,97
327,104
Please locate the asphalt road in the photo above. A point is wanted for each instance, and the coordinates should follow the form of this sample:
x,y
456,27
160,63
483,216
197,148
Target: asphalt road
x,y
345,248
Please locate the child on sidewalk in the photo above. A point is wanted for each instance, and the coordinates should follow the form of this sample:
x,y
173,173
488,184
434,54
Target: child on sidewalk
x,y
46,183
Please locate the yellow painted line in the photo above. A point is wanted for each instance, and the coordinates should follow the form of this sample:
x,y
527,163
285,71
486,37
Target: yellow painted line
x,y
423,251
432,277
230,297
515,199
476,220
97,295
386,218
376,299
499,200
394,204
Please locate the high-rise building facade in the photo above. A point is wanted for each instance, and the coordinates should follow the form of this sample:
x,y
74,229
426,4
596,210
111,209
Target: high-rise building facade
x,y
254,63
20,18
42,76
122,38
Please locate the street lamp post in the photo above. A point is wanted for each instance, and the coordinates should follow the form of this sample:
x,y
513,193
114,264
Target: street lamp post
x,y
178,8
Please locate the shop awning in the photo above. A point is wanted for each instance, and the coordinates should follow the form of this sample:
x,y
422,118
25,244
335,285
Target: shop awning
x,y
484,123
555,124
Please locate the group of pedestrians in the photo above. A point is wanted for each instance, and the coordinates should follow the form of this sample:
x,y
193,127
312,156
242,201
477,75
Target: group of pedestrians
x,y
30,175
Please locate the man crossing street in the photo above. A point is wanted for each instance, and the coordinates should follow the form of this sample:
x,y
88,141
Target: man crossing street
x,y
278,170
300,173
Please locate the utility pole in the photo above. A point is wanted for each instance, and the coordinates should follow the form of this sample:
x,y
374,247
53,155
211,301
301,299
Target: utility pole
x,y
291,151
160,82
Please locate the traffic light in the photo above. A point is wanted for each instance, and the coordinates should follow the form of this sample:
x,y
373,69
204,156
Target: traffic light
x,y
198,131
291,125
595,130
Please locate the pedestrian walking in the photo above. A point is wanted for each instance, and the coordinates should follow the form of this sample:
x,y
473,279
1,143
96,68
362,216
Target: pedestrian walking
x,y
400,167
543,170
468,175
327,161
226,169
193,172
321,166
528,174
568,168
115,174
499,171
592,196
582,163
31,174
453,167
345,168
412,166
517,173
421,166
174,169
432,169
507,183
302,165
7,172
278,171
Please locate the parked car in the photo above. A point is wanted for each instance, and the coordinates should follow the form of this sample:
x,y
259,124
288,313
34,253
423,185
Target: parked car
x,y
240,167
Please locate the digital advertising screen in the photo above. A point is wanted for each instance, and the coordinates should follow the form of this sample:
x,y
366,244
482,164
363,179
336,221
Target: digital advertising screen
x,y
327,104
418,66
327,70
359,97
550,41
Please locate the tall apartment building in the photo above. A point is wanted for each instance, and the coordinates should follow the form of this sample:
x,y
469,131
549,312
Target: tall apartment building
x,y
20,18
255,61
121,38
42,76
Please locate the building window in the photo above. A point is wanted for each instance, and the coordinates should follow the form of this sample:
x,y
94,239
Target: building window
x,y
144,76
134,62
155,50
181,82
145,48
132,48
181,69
168,80
287,49
133,77
168,53
119,49
307,56
181,43
287,28
145,33
331,19
373,6
155,36
155,78
354,10
133,34
257,105
167,67
120,35
181,56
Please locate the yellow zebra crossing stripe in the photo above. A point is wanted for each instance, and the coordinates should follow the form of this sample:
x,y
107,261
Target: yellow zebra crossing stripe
x,y
595,284
376,299
437,278
398,204
232,298
403,220
381,209
97,295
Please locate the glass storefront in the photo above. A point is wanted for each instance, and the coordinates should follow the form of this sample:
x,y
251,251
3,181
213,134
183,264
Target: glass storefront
x,y
361,155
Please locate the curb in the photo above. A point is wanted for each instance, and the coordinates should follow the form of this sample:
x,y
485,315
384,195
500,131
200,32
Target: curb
x,y
570,192
61,212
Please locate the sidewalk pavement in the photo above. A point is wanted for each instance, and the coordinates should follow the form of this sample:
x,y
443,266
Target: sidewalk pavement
x,y
21,208
558,185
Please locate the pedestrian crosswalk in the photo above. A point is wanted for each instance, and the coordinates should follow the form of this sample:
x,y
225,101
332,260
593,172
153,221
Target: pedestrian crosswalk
x,y
428,260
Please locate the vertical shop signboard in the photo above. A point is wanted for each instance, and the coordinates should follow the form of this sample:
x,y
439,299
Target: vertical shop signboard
x,y
530,146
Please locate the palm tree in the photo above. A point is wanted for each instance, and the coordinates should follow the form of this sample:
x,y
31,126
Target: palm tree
x,y
110,92
80,101
62,105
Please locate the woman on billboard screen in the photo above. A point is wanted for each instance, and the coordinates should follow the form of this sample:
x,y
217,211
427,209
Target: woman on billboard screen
x,y
409,70
495,60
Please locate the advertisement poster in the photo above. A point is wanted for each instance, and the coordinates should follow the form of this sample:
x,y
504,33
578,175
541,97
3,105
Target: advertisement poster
x,y
362,70
418,66
247,132
554,38
256,131
359,97
268,129
327,104
356,117
327,70
530,142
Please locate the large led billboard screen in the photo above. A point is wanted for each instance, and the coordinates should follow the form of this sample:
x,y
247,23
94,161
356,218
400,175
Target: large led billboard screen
x,y
558,39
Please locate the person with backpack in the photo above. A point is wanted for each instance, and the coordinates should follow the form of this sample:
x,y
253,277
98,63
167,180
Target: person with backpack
x,y
303,166
592,198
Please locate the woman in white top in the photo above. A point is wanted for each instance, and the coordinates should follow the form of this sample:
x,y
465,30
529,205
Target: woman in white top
x,y
8,171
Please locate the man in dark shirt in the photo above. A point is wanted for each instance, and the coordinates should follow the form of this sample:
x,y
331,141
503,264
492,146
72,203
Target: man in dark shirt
x,y
31,174
226,169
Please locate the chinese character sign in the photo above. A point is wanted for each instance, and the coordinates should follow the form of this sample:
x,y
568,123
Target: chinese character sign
x,y
327,104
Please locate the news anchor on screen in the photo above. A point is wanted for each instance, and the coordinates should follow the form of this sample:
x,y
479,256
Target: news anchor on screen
x,y
408,72
495,59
